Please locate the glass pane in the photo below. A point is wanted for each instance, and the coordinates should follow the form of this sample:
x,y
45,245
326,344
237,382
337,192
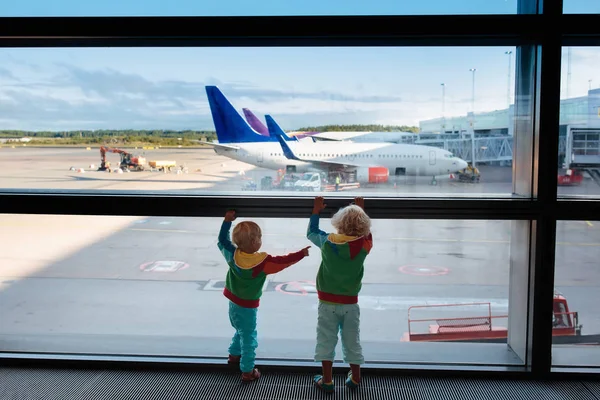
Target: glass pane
x,y
581,7
39,8
579,145
576,333
154,286
390,121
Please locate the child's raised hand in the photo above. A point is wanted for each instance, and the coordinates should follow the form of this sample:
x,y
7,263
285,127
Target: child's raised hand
x,y
305,251
230,216
359,201
319,205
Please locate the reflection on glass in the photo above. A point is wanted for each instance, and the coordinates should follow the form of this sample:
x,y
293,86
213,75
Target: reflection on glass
x,y
579,145
576,332
376,119
154,286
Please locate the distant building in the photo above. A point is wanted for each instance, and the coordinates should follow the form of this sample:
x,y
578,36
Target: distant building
x,y
584,110
13,140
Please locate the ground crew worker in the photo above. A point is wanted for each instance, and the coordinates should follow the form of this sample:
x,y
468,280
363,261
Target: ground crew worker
x,y
337,183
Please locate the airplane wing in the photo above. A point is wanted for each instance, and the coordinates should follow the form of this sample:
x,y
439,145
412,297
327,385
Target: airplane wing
x,y
275,130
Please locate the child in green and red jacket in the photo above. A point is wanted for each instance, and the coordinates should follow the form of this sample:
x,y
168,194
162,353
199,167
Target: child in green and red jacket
x,y
248,270
339,281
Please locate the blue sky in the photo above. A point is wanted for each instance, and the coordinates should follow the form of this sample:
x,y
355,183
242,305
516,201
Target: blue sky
x,y
163,88
270,7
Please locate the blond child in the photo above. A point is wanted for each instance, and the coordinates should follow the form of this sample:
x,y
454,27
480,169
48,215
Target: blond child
x,y
339,281
248,270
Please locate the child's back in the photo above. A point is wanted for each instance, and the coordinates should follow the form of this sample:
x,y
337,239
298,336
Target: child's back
x,y
248,270
339,281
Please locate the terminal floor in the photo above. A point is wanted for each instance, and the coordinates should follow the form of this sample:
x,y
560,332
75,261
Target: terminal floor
x,y
28,383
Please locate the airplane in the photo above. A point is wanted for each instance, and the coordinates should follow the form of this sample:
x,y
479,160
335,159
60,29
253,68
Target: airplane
x,y
238,141
359,137
227,120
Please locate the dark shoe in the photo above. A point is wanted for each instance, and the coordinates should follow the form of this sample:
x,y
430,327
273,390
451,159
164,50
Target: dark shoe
x,y
251,376
234,361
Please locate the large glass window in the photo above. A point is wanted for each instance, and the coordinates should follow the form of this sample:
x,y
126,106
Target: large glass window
x,y
579,145
35,8
576,332
392,121
581,7
153,286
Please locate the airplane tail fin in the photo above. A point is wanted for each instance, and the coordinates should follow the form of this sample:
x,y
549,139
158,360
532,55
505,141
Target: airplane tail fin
x,y
276,132
255,123
229,124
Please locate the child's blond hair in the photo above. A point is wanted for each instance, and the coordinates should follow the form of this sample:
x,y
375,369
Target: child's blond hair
x,y
352,221
246,234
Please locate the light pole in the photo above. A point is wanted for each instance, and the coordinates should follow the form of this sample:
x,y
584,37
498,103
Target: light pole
x,y
509,73
443,108
473,90
473,118
590,83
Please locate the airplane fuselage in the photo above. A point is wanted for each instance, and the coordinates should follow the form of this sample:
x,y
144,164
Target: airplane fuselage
x,y
400,159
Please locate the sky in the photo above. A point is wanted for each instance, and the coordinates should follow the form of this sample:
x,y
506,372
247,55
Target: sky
x,y
163,88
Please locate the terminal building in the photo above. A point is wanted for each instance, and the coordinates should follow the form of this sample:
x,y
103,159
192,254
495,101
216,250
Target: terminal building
x,y
488,135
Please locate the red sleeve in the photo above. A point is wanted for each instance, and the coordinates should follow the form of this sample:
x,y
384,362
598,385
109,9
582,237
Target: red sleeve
x,y
274,264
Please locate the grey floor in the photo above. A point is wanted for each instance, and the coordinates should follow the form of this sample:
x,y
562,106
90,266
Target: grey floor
x,y
47,384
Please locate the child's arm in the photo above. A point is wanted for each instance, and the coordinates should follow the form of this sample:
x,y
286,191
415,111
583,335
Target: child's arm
x,y
274,264
227,248
314,234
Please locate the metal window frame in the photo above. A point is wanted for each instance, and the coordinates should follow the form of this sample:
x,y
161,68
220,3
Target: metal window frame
x,y
538,23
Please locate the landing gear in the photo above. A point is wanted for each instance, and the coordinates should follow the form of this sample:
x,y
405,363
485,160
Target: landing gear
x,y
433,181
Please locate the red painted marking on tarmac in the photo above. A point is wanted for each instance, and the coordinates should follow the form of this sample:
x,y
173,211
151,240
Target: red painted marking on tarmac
x,y
295,284
423,270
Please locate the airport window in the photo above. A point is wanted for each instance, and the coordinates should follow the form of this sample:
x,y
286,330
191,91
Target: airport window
x,y
66,8
579,148
416,276
577,293
75,144
581,7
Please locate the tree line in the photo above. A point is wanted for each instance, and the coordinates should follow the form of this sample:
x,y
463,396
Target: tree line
x,y
163,137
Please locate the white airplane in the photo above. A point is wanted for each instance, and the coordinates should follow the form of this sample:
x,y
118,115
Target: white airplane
x,y
238,141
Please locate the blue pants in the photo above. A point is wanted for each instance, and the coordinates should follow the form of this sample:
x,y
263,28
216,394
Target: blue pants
x,y
244,342
332,319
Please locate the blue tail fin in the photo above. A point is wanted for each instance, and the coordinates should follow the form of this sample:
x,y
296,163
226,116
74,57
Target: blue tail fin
x,y
229,124
276,132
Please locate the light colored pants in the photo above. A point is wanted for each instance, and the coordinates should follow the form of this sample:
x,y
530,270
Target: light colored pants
x,y
332,319
244,342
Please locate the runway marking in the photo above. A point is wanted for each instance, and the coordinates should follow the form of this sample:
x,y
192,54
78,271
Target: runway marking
x,y
296,288
161,230
423,270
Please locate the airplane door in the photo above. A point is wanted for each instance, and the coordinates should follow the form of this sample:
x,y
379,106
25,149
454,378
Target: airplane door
x,y
431,157
259,157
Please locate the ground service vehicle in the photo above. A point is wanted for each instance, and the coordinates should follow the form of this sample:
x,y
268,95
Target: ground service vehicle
x,y
128,161
484,327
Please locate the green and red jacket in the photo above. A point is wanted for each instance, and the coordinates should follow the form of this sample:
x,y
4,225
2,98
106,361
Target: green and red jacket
x,y
247,272
339,279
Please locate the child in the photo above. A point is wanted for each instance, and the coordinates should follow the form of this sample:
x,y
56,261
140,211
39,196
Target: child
x,y
246,276
338,284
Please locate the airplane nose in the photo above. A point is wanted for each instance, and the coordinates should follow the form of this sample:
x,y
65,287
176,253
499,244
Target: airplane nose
x,y
462,164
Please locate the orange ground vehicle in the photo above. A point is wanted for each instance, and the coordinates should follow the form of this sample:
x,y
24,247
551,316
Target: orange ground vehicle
x,y
128,161
484,327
